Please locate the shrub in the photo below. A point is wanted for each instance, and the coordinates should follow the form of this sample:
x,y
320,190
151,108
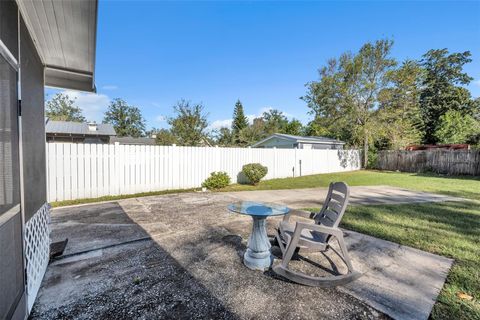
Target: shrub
x,y
254,172
217,180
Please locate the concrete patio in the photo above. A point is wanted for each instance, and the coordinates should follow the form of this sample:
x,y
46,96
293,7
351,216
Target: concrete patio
x,y
180,256
368,195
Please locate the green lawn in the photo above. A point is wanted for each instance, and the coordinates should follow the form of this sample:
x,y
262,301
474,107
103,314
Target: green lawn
x,y
450,229
466,187
112,198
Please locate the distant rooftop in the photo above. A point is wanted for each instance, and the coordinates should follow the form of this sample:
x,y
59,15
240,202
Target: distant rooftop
x,y
79,128
308,139
131,140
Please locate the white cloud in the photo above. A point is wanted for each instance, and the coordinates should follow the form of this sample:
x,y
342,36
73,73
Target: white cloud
x,y
251,117
93,105
477,83
109,87
217,124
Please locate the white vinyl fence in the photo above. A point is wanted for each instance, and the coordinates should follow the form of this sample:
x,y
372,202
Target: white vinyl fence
x,y
77,171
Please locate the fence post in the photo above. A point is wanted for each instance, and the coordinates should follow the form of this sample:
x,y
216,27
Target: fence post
x,y
118,162
275,164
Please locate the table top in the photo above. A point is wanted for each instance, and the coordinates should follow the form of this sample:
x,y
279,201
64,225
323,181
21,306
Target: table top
x,y
258,209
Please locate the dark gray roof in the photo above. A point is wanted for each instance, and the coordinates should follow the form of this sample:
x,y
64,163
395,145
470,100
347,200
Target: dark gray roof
x,y
307,139
80,128
130,140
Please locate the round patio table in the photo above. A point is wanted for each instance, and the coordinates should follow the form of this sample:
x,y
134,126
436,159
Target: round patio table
x,y
258,256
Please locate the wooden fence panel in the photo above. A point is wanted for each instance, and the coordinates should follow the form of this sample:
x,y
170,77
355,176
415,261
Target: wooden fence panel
x,y
452,162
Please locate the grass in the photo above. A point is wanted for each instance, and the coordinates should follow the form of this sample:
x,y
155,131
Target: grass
x,y
450,229
466,187
118,197
458,186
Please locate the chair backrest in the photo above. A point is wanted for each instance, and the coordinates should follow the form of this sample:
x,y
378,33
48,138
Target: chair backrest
x,y
334,206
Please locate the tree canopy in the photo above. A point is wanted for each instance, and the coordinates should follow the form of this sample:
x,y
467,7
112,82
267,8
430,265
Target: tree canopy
x,y
443,89
127,120
189,123
165,137
370,100
239,122
62,108
456,127
345,98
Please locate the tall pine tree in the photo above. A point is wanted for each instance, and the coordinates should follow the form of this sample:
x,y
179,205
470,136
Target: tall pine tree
x,y
239,122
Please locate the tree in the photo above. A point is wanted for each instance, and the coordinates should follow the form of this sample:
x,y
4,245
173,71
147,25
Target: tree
x,y
275,121
443,89
399,108
294,127
189,124
225,137
126,120
346,96
456,127
319,127
165,137
239,122
62,108
253,133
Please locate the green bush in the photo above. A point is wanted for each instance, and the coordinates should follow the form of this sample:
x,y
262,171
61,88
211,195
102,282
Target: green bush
x,y
217,180
254,172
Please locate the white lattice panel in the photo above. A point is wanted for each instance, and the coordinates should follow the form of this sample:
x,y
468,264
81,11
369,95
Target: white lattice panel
x,y
37,250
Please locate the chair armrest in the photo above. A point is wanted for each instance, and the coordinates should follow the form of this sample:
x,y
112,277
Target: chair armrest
x,y
299,226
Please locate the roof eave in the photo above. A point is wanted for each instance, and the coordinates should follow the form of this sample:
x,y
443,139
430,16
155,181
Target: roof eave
x,y
321,142
57,76
68,79
271,137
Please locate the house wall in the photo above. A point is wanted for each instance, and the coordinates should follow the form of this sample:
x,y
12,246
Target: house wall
x,y
288,144
77,138
24,239
33,125
321,146
277,143
12,290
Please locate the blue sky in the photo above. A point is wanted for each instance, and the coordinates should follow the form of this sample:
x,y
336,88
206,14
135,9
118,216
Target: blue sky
x,y
154,53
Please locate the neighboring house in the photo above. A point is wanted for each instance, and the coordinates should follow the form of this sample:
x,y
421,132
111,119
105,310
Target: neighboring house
x,y
42,43
69,131
138,141
287,141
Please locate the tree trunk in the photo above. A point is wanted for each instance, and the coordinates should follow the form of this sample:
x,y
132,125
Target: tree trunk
x,y
365,152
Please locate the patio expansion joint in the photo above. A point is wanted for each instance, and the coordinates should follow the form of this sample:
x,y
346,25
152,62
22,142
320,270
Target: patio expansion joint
x,y
73,254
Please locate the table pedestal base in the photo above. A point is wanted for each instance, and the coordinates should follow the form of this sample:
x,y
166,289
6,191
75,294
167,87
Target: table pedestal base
x,y
258,256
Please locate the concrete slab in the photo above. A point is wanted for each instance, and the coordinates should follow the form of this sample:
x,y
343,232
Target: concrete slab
x,y
182,258
314,197
400,281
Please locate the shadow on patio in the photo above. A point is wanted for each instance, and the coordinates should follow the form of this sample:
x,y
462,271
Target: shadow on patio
x,y
180,256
